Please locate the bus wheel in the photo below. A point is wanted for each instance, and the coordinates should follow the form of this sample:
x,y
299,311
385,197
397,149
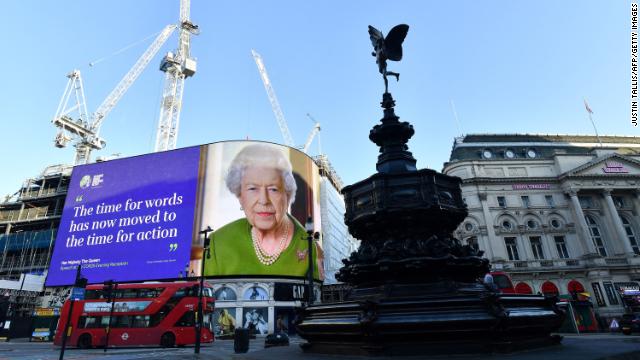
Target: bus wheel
x,y
168,340
84,342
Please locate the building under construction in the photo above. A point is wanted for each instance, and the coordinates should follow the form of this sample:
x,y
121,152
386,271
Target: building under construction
x,y
29,220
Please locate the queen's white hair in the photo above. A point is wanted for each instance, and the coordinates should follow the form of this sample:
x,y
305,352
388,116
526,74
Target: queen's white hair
x,y
261,155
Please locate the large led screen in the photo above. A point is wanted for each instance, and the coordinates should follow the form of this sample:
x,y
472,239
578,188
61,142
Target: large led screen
x,y
257,198
128,219
141,218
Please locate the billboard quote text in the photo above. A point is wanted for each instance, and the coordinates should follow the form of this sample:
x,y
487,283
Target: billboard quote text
x,y
83,233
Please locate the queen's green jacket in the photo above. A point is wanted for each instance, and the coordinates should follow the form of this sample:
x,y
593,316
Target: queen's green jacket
x,y
232,253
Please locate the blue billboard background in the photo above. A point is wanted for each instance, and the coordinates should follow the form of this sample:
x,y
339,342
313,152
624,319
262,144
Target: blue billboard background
x,y
128,220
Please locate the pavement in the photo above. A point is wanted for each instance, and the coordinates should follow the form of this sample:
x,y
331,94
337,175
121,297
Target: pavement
x,y
574,347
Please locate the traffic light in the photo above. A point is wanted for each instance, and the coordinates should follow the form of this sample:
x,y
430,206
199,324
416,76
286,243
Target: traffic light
x,y
80,282
108,288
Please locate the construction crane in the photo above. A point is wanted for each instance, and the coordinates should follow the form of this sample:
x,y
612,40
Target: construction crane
x,y
312,134
275,105
86,130
176,66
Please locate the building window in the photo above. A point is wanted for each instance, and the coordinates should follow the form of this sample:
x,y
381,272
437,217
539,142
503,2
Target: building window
x,y
509,154
532,224
618,201
525,201
536,247
531,153
487,154
628,229
512,248
549,200
586,202
556,224
468,226
596,237
502,201
611,293
597,292
561,246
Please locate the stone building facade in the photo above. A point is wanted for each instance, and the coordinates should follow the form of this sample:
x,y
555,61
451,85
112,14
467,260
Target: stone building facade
x,y
558,213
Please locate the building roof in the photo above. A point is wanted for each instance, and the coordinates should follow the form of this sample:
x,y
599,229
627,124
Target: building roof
x,y
550,138
470,146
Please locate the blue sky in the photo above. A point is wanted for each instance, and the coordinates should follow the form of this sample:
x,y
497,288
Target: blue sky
x,y
509,66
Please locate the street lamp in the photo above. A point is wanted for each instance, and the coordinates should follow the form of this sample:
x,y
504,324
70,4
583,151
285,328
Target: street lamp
x,y
205,250
311,235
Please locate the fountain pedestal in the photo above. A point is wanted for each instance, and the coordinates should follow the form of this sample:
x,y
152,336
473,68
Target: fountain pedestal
x,y
415,288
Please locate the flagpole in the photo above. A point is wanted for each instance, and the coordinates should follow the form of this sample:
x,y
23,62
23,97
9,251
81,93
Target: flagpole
x,y
589,111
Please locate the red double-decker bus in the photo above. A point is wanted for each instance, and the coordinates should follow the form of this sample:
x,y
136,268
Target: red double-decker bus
x,y
143,314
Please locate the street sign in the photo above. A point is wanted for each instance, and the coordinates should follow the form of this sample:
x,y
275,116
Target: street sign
x,y
77,293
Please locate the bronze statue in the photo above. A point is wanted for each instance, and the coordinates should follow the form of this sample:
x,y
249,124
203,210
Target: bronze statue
x,y
389,48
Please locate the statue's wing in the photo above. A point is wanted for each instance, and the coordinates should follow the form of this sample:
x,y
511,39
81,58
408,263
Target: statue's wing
x,y
393,42
375,35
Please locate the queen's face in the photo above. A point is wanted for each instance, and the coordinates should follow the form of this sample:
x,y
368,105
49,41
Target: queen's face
x,y
263,198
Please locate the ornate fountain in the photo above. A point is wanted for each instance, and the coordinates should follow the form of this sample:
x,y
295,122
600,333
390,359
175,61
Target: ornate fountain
x,y
415,288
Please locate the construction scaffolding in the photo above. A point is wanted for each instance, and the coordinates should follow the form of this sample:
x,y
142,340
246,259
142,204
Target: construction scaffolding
x,y
28,225
326,169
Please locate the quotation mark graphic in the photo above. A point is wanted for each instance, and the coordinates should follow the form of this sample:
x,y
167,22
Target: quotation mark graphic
x,y
173,247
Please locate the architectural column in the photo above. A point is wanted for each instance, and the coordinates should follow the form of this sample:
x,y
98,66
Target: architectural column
x,y
548,246
581,224
486,243
617,223
525,245
497,248
636,202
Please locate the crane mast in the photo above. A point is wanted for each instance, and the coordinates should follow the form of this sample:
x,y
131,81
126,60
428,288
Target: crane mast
x,y
176,66
275,105
86,129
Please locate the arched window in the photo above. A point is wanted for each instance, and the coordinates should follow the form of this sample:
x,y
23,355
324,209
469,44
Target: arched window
x,y
225,294
255,293
523,288
549,288
628,229
596,236
575,286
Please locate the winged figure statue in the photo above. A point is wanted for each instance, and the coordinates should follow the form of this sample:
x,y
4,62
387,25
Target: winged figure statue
x,y
388,48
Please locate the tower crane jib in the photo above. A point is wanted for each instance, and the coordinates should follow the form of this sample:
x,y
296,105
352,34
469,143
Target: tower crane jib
x,y
312,134
87,130
116,94
275,105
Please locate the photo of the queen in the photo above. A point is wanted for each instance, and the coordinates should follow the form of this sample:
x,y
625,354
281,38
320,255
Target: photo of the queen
x,y
264,238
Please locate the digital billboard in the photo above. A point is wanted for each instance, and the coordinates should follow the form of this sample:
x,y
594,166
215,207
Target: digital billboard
x,y
140,218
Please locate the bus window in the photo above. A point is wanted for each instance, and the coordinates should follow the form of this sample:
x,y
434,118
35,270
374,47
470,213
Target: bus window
x,y
159,316
187,320
121,321
140,321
